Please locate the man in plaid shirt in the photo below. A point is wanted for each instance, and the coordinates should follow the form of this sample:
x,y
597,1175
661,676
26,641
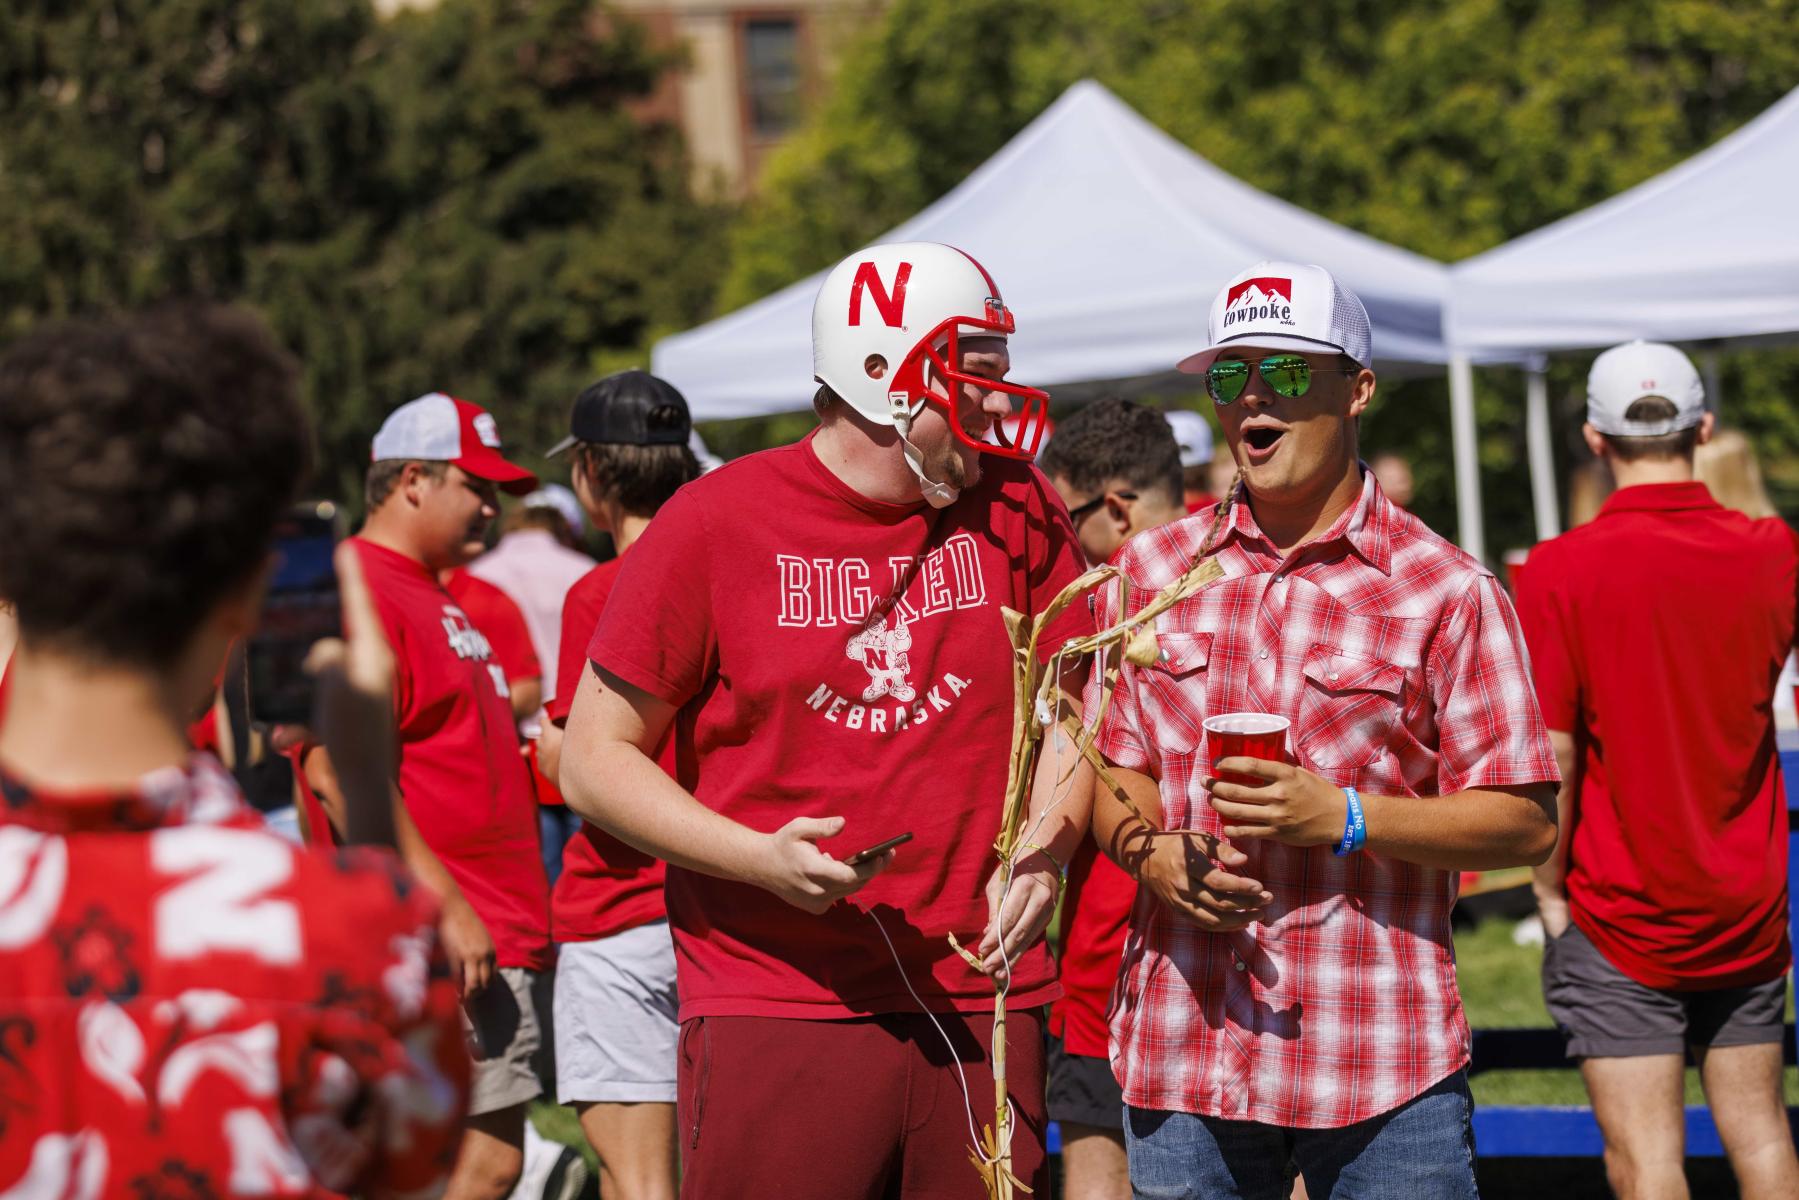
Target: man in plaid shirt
x,y
1288,997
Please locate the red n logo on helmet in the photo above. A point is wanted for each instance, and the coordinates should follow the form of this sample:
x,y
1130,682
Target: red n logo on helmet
x,y
891,306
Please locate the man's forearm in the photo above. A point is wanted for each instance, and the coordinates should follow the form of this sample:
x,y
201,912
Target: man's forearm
x,y
418,856
1061,798
1123,835
616,786
1481,829
1547,879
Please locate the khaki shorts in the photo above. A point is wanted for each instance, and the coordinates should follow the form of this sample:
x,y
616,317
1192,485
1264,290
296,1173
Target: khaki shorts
x,y
507,1024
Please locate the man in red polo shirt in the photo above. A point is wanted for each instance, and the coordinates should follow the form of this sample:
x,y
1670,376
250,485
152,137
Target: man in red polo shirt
x,y
616,1002
1656,633
190,1005
432,492
1119,469
1289,1000
820,627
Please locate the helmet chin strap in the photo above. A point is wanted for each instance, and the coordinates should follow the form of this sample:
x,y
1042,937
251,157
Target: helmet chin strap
x,y
937,495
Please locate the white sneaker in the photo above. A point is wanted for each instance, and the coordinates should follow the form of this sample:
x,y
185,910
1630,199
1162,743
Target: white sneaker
x,y
568,1177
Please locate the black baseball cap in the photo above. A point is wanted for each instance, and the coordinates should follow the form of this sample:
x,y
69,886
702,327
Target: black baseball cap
x,y
631,408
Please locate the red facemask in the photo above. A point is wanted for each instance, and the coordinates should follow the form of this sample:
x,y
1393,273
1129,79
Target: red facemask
x,y
1031,412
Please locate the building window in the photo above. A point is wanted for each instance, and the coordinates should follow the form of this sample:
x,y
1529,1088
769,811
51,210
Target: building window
x,y
771,51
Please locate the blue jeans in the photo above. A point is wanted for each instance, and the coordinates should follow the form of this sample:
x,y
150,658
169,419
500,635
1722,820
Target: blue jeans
x,y
1422,1150
555,825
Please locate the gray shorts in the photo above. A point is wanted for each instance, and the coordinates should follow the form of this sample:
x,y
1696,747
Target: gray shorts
x,y
1082,1090
1604,1013
507,1024
615,1018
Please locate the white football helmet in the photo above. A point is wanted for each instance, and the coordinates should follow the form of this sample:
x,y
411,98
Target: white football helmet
x,y
909,303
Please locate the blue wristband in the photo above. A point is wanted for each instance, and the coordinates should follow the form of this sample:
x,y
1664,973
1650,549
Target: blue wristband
x,y
1355,826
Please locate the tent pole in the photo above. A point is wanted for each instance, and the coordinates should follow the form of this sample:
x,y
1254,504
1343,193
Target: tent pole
x,y
1708,371
1468,525
1537,442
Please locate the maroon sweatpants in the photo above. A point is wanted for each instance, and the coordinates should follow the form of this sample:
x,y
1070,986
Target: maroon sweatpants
x,y
862,1109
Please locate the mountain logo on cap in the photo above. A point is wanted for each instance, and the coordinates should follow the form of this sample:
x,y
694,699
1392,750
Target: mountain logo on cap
x,y
1263,298
487,430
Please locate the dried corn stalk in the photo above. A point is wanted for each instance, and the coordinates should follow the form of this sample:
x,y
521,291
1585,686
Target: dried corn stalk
x,y
1036,699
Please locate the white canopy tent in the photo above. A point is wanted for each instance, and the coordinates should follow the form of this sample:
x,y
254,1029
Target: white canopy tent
x,y
1704,252
1109,239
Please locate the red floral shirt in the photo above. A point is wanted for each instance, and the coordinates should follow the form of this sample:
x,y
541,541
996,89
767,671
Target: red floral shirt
x,y
192,1007
1398,660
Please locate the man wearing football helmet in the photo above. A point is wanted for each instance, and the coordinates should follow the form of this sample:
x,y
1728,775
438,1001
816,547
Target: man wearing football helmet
x,y
822,1005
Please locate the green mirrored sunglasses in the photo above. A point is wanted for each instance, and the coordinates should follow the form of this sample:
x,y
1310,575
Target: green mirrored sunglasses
x,y
1288,375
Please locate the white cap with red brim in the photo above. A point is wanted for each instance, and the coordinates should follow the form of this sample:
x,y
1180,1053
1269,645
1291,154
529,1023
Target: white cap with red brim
x,y
1285,306
440,428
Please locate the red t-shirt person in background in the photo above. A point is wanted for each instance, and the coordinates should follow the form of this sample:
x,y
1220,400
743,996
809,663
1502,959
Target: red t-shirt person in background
x,y
503,624
616,1001
819,626
189,1004
432,492
1119,469
1656,633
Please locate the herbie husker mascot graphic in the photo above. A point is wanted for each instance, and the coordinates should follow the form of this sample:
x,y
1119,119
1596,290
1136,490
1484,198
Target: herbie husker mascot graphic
x,y
882,653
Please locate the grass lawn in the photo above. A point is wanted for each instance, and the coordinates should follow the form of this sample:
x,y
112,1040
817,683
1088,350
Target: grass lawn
x,y
1500,988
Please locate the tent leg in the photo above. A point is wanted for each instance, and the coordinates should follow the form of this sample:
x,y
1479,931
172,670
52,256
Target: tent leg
x,y
1542,457
1709,371
1470,531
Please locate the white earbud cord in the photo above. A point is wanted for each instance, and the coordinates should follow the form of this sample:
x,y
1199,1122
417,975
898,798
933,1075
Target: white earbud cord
x,y
1062,792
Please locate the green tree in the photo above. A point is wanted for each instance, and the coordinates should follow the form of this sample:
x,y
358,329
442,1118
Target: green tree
x,y
459,199
1443,128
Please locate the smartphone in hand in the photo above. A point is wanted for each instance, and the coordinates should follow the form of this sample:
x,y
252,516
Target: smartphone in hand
x,y
876,850
302,606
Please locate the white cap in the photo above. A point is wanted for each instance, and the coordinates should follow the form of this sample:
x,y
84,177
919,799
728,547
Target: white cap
x,y
1193,436
1285,306
703,453
1625,374
440,428
555,496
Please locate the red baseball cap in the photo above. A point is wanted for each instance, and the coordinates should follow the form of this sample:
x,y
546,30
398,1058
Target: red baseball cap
x,y
440,428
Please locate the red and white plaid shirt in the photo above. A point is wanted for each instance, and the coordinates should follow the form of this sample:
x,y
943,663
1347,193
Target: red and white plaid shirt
x,y
1399,662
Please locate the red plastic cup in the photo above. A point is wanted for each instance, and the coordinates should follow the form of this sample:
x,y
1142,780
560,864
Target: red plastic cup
x,y
1246,735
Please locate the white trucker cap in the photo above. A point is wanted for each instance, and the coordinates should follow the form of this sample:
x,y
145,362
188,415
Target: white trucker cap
x,y
1285,306
440,428
1192,435
1625,374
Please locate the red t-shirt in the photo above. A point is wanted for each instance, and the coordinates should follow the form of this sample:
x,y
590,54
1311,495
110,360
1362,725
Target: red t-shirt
x,y
495,615
1656,634
606,886
1096,914
742,605
460,771
191,1006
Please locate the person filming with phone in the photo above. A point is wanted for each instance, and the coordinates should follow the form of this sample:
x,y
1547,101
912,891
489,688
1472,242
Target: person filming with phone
x,y
1290,1003
190,1004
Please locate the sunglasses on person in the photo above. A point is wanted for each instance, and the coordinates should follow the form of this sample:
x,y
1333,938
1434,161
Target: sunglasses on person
x,y
1288,375
1079,512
